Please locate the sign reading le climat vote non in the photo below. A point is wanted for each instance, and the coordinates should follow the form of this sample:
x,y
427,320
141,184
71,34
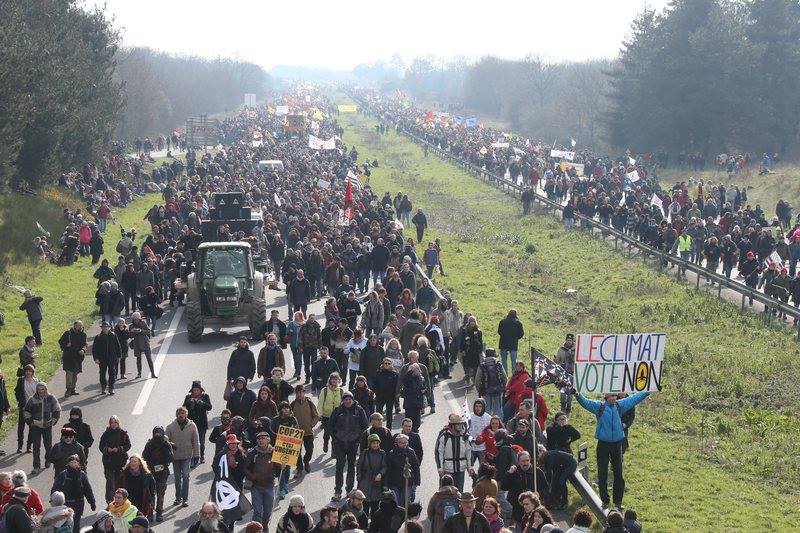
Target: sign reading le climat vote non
x,y
629,362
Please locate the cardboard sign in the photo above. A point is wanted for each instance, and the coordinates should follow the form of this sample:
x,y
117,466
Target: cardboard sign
x,y
346,108
611,363
281,110
288,444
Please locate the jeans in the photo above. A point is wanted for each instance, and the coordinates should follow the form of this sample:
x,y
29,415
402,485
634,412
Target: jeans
x,y
37,435
102,223
477,455
181,469
130,301
494,404
455,346
110,370
610,451
568,223
309,356
383,405
262,499
77,506
505,506
504,357
297,358
429,270
363,279
458,480
21,430
308,448
377,275
36,330
508,411
400,494
283,484
345,453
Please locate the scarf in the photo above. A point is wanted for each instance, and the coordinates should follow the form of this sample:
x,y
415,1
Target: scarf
x,y
119,510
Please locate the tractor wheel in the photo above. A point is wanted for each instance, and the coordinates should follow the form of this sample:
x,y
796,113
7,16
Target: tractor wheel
x,y
194,322
258,315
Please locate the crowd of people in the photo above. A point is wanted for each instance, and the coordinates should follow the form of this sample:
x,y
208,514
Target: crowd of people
x,y
385,341
710,224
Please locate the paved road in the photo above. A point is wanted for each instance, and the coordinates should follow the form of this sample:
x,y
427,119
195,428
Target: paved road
x,y
144,403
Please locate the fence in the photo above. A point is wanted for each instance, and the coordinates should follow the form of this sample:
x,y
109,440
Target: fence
x,y
621,240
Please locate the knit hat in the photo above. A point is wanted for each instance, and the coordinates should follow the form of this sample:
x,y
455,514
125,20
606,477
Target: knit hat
x,y
347,394
136,315
140,521
22,493
196,385
297,500
373,438
57,498
158,430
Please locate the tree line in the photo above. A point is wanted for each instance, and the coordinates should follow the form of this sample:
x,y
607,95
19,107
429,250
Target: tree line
x,y
705,76
161,90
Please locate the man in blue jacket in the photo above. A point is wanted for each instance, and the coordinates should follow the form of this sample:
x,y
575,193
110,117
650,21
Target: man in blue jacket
x,y
610,433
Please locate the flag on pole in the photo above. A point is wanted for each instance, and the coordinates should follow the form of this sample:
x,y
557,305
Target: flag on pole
x,y
353,181
278,200
348,193
572,141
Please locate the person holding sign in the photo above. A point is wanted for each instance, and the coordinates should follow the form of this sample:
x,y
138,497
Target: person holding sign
x,y
261,473
610,435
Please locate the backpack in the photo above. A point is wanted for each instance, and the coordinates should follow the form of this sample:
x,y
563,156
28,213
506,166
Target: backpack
x,y
491,383
449,507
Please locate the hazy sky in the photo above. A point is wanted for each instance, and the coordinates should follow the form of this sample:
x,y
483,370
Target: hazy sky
x,y
345,33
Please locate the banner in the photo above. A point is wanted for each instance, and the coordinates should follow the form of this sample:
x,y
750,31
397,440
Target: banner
x,y
281,110
611,363
227,493
249,99
287,446
500,145
318,144
347,108
471,122
656,201
569,156
323,184
633,176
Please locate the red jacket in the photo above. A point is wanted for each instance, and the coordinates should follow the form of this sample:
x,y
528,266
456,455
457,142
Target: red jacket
x,y
487,437
541,411
516,391
34,502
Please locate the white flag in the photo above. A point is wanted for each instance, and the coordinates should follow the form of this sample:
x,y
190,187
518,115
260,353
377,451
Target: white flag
x,y
631,160
572,141
656,201
278,200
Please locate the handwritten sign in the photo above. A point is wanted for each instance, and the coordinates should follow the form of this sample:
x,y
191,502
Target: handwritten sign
x,y
288,444
609,363
563,154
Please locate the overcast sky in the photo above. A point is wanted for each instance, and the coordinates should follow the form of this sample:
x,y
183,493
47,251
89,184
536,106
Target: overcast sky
x,y
343,34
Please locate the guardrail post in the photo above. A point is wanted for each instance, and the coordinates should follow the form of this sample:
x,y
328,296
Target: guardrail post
x,y
719,290
697,286
743,297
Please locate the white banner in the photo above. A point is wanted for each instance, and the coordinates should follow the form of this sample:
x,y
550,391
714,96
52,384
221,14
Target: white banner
x,y
563,154
500,145
323,184
610,363
281,110
318,144
249,99
656,201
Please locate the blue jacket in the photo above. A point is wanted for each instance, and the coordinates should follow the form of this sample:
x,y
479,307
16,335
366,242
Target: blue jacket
x,y
609,424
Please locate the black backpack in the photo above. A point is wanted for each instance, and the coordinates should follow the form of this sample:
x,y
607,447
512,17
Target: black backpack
x,y
492,384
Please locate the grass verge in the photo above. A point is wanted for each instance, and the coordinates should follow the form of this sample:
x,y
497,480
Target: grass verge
x,y
720,436
68,291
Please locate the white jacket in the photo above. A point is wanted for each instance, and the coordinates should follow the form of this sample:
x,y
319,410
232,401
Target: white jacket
x,y
477,423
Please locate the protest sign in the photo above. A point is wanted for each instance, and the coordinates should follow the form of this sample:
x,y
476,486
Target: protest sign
x,y
633,175
346,108
318,144
288,444
281,110
563,154
500,145
611,363
323,184
249,99
656,201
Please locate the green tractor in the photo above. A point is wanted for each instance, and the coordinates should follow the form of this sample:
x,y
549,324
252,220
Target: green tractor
x,y
224,287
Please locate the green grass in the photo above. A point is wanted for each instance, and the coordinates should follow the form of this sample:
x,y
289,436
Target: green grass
x,y
718,447
68,291
783,183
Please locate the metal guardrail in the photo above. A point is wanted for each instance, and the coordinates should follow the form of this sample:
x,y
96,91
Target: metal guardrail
x,y
604,231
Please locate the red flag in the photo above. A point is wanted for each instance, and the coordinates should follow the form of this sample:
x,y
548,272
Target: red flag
x,y
348,194
429,116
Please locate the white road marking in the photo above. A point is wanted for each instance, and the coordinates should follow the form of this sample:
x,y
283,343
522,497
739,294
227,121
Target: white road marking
x,y
138,408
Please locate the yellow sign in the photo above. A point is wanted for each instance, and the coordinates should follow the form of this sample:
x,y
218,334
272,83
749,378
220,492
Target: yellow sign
x,y
347,108
288,444
318,115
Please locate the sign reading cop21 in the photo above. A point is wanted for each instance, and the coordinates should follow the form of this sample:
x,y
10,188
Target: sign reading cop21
x,y
608,363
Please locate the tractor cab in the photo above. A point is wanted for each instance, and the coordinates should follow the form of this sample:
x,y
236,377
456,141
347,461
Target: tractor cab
x,y
225,272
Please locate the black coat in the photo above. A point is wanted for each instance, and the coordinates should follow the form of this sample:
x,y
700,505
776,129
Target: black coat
x,y
75,485
106,348
240,402
397,461
242,363
71,343
510,331
198,410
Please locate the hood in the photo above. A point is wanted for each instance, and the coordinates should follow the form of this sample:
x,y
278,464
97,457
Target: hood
x,y
58,510
449,490
482,403
76,411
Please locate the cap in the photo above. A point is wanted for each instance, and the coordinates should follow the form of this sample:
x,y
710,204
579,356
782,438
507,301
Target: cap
x,y
454,419
373,438
232,439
